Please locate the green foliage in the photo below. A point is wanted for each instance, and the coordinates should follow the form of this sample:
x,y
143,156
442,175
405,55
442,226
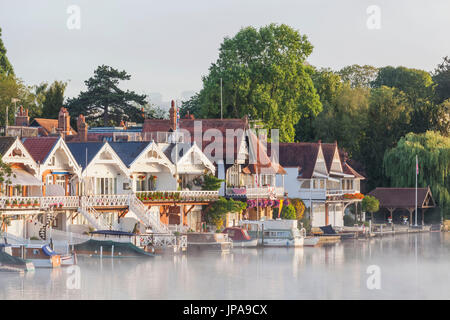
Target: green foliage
x,y
349,221
104,102
441,77
5,66
210,182
216,213
53,99
299,207
359,76
288,212
370,204
30,97
433,151
264,77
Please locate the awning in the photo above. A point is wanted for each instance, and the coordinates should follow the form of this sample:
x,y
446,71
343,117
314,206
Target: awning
x,y
23,178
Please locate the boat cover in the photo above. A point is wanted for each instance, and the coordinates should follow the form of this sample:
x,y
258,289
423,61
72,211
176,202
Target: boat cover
x,y
123,247
48,251
10,260
328,229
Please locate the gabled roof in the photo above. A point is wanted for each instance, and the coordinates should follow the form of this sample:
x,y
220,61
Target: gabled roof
x,y
5,144
403,197
128,151
84,152
49,126
301,155
40,147
329,150
259,161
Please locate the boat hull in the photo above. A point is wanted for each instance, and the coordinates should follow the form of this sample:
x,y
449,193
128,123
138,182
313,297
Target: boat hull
x,y
253,243
280,242
311,241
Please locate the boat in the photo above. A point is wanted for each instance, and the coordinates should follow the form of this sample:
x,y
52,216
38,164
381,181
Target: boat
x,y
240,238
275,233
8,263
208,241
311,241
109,248
41,255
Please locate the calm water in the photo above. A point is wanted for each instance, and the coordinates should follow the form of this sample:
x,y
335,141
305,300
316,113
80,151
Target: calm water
x,y
411,266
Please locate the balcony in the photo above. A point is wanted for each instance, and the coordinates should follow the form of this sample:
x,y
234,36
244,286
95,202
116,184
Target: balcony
x,y
260,192
177,196
38,203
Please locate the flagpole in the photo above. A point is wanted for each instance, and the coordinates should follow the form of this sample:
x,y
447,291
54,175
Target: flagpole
x,y
417,172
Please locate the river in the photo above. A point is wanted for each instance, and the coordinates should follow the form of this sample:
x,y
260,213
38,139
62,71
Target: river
x,y
412,266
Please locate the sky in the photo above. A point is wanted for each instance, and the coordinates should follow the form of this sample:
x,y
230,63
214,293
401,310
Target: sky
x,y
167,46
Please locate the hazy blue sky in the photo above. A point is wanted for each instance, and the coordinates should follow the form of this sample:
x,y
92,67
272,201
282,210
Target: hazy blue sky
x,y
167,46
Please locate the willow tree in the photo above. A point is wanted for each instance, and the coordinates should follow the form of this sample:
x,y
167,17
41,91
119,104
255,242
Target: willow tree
x,y
433,151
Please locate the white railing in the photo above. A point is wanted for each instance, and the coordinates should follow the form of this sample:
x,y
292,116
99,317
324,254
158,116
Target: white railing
x,y
39,202
258,192
339,192
147,217
174,196
94,217
163,240
106,200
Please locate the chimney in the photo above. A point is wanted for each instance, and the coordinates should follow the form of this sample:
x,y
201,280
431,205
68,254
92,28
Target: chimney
x,y
22,118
173,116
63,122
82,128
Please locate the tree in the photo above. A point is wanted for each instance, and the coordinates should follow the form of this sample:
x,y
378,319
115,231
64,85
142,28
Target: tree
x,y
417,86
433,151
5,66
299,207
386,120
441,77
264,76
359,76
29,96
288,212
215,214
210,182
53,99
370,204
104,101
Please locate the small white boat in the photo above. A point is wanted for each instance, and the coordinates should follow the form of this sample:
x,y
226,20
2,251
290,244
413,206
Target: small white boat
x,y
311,241
275,233
42,256
240,238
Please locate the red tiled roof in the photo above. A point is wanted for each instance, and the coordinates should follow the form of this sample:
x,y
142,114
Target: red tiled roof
x,y
302,155
403,197
49,126
263,164
39,147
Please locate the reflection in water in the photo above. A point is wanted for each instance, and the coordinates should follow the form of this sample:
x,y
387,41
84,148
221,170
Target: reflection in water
x,y
412,266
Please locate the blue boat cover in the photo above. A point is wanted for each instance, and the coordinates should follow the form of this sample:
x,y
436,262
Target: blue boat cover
x,y
48,251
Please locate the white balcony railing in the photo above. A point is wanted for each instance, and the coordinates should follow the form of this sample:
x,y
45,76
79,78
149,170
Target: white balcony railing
x,y
259,192
39,202
174,196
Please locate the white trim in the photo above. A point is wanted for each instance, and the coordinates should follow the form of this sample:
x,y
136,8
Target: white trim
x,y
72,162
115,161
27,159
206,162
340,174
152,146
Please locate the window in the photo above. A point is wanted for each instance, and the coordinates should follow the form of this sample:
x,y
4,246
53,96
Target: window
x,y
106,185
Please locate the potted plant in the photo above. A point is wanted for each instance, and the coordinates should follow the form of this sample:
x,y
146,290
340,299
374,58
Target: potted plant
x,y
36,203
7,204
61,204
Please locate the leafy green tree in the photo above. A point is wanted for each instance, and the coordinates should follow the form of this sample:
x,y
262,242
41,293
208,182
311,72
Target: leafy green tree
x,y
433,151
216,213
385,122
441,77
53,99
104,102
264,76
5,66
210,182
417,86
29,97
359,76
299,207
370,204
288,212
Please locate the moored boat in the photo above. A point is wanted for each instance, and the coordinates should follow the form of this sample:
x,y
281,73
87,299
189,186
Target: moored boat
x,y
42,256
208,242
275,233
240,237
311,241
9,263
109,248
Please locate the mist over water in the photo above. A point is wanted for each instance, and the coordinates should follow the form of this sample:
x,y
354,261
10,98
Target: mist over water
x,y
412,267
